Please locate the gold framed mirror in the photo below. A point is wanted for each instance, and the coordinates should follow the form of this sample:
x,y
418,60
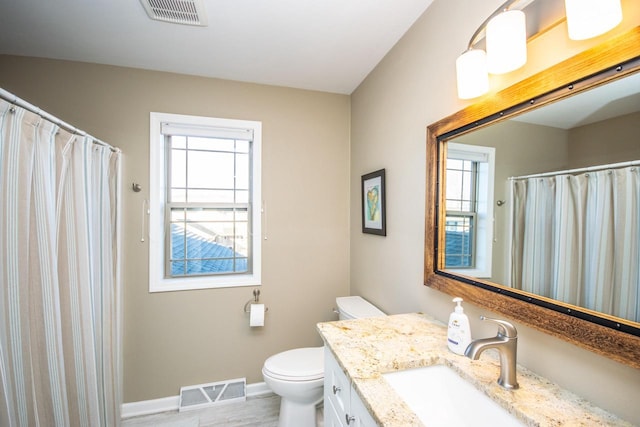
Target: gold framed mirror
x,y
613,337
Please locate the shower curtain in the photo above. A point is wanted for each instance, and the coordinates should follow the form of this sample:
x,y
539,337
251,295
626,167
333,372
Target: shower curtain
x,y
576,239
59,300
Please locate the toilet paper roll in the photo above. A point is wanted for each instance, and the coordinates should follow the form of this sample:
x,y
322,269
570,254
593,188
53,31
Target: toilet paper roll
x,y
256,315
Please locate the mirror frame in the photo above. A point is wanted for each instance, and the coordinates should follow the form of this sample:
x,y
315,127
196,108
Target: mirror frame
x,y
602,334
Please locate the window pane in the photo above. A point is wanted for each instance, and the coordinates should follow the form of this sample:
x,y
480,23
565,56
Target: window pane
x,y
466,186
210,196
242,196
454,164
242,171
454,205
177,215
461,191
454,185
459,241
177,242
179,142
178,168
242,146
241,239
210,170
178,195
210,144
209,249
209,215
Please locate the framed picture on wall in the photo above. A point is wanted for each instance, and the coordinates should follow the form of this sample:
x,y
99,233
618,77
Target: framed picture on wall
x,y
373,203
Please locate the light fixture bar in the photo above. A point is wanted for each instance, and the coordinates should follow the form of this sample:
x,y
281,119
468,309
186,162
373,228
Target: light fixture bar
x,y
480,32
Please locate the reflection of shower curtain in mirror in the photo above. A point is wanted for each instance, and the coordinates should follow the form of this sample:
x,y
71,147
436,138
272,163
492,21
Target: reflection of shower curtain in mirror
x,y
576,239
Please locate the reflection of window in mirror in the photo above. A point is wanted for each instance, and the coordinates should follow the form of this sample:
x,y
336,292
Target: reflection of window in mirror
x,y
469,206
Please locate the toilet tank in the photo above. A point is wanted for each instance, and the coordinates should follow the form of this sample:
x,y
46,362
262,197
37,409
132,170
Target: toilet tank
x,y
356,307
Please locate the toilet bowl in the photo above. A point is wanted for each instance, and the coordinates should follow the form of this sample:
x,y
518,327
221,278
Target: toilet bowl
x,y
297,375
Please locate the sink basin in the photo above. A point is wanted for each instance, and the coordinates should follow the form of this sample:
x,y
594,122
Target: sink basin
x,y
440,397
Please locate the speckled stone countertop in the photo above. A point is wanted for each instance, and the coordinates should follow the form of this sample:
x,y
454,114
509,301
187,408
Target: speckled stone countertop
x,y
368,348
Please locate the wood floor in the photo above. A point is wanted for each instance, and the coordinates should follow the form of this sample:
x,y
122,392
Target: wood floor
x,y
257,411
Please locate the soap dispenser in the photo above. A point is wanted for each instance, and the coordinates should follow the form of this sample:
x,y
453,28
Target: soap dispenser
x,y
459,332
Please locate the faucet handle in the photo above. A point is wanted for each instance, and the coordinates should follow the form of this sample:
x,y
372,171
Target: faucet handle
x,y
505,328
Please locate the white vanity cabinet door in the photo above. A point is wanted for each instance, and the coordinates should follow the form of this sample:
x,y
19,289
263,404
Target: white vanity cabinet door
x,y
337,392
342,405
360,414
331,417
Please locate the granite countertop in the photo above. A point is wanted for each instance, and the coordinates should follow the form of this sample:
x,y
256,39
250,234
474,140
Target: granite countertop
x,y
368,348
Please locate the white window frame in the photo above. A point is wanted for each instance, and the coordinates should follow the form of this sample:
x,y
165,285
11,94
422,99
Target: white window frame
x,y
486,158
157,187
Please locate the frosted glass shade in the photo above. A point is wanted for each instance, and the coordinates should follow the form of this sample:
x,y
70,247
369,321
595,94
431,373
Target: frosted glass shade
x,y
471,71
590,18
506,36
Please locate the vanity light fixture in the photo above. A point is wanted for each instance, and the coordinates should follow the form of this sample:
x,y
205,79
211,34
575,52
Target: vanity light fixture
x,y
506,40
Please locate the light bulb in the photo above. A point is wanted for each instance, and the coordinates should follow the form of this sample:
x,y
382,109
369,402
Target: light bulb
x,y
471,72
590,18
506,36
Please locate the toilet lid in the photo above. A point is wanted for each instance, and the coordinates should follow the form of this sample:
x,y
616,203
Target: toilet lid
x,y
300,364
356,307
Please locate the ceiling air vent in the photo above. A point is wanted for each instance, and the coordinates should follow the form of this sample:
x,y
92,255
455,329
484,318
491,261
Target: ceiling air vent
x,y
187,12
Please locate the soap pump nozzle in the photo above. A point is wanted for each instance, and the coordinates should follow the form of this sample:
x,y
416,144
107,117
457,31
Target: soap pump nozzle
x,y
458,302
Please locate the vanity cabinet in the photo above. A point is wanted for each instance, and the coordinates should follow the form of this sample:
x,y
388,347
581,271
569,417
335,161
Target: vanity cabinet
x,y
342,405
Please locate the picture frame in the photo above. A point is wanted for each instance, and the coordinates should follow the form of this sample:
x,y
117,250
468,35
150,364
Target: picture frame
x,y
374,216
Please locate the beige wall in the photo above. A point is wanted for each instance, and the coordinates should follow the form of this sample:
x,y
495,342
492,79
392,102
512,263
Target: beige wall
x,y
182,338
411,88
608,141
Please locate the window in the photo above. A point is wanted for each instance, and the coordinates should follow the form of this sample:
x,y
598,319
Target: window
x,y
204,208
469,209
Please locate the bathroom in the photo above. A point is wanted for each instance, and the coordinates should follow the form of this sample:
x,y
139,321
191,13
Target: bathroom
x,y
316,147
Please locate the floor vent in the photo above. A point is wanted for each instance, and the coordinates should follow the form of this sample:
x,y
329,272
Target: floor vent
x,y
205,395
188,12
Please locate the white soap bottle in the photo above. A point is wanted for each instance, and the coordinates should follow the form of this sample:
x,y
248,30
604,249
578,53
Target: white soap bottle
x,y
459,332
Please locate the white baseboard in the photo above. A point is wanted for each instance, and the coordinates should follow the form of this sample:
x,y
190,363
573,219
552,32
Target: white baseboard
x,y
172,403
258,389
147,407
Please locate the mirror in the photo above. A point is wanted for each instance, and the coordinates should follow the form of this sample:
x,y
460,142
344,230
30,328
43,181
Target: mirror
x,y
469,150
564,189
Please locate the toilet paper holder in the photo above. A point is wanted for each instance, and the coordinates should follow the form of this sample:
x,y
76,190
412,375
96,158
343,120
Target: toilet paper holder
x,y
256,299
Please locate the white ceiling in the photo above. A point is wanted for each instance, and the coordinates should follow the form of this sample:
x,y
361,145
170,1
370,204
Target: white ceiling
x,y
325,45
613,99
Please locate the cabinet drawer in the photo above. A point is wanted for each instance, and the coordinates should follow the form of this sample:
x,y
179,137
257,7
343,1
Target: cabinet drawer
x,y
336,385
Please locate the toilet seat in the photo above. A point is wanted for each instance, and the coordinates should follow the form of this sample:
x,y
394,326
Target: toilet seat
x,y
300,364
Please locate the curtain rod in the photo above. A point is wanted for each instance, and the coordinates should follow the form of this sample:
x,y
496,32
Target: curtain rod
x,y
13,99
579,170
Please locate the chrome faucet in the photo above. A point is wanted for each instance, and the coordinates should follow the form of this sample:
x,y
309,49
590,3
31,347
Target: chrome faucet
x,y
506,342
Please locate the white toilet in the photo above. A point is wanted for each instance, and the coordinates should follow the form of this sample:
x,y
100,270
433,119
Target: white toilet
x,y
297,375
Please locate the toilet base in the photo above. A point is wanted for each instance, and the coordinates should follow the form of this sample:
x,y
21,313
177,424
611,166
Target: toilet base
x,y
294,414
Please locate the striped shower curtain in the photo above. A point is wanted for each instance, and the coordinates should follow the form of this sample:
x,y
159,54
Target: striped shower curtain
x,y
576,239
59,295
